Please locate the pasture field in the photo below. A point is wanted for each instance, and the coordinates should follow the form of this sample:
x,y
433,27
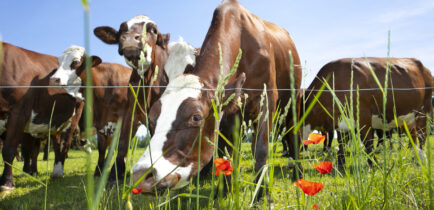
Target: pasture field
x,y
359,187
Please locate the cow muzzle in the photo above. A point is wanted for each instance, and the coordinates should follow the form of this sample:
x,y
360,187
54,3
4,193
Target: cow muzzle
x,y
131,53
150,184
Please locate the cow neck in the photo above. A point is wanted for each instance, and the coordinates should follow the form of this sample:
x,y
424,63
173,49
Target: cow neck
x,y
152,94
207,67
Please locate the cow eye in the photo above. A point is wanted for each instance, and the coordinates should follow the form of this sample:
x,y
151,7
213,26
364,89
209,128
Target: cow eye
x,y
196,118
74,64
154,30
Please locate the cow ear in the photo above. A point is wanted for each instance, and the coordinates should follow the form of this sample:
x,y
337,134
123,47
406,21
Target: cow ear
x,y
233,88
95,60
107,34
163,40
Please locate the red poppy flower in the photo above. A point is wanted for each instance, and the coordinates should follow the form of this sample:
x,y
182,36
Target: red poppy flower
x,y
316,207
223,166
136,191
310,188
314,138
324,167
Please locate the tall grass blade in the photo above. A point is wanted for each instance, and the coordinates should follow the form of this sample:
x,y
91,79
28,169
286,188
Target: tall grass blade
x,y
107,165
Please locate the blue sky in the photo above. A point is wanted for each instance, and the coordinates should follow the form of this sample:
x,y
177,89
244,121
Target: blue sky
x,y
322,30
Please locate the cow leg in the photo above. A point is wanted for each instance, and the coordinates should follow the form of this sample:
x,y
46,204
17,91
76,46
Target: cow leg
x,y
34,155
59,158
15,127
413,134
389,137
46,150
118,170
26,151
259,144
421,130
30,151
341,151
328,141
369,143
379,133
285,144
17,156
102,147
62,142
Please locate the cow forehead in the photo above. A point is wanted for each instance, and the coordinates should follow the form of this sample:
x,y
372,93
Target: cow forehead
x,y
139,19
73,53
185,83
177,91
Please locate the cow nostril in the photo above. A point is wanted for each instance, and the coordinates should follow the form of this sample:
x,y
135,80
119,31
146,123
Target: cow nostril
x,y
152,174
137,37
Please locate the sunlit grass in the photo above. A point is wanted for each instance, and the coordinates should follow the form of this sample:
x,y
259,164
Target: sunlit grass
x,y
406,183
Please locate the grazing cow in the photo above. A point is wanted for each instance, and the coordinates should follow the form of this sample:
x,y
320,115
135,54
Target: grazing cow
x,y
109,104
25,112
129,40
411,98
184,110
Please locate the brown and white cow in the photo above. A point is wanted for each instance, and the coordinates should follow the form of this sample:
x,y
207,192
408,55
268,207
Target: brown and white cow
x,y
411,98
109,101
25,112
129,40
184,109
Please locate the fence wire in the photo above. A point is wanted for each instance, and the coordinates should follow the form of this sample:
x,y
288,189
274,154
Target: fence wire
x,y
211,89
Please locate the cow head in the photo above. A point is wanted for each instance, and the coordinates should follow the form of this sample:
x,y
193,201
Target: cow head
x,y
72,64
129,39
182,113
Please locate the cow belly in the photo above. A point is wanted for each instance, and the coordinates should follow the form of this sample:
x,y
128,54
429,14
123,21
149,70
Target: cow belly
x,y
409,119
36,130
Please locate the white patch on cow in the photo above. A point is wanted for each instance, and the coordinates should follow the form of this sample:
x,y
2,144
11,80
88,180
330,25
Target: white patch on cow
x,y
57,170
87,148
307,129
130,63
65,74
3,125
343,126
410,120
108,129
62,144
139,19
180,55
147,62
182,87
36,130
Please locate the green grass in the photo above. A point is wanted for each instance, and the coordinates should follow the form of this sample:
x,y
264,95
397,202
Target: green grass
x,y
406,184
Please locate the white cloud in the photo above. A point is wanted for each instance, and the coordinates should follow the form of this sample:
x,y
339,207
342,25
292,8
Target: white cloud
x,y
400,14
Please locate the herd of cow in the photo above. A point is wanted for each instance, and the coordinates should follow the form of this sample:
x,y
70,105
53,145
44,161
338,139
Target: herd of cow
x,y
178,106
